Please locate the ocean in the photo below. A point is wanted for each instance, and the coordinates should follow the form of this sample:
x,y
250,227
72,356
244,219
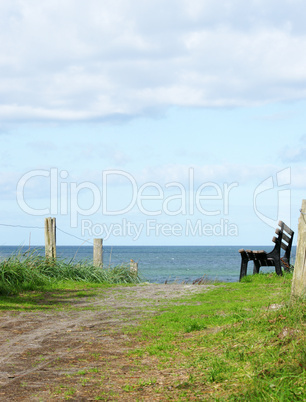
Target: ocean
x,y
157,264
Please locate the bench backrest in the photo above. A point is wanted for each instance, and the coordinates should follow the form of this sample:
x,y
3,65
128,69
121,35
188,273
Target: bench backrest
x,y
284,239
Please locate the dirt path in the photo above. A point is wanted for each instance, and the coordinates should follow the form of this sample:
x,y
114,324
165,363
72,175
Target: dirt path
x,y
79,353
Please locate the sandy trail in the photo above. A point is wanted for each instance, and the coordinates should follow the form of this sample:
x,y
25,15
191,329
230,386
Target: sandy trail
x,y
37,348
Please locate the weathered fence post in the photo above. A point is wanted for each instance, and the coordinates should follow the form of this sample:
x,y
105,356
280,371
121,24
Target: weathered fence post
x,y
298,288
98,253
50,238
134,267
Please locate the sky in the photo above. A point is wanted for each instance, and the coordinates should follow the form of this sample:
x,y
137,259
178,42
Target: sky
x,y
152,122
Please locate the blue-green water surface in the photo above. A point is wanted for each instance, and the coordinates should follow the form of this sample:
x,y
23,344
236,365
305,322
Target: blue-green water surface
x,y
163,263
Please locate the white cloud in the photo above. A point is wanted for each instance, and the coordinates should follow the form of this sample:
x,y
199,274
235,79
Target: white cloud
x,y
80,61
199,174
299,178
102,151
8,182
219,173
42,147
295,154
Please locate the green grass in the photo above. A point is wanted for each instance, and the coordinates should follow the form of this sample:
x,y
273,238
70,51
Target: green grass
x,y
30,272
235,342
239,341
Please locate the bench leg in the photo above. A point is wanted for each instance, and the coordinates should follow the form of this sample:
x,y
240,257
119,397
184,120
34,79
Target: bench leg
x,y
244,265
256,267
278,267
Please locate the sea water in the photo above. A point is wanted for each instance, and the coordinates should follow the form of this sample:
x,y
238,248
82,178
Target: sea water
x,y
163,263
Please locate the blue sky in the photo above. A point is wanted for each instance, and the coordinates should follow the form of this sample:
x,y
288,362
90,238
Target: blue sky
x,y
152,122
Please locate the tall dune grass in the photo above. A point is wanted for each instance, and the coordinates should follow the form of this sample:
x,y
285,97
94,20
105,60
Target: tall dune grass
x,y
32,272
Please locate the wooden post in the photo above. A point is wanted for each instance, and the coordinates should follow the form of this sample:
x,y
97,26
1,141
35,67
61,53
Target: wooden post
x,y
298,288
98,253
50,238
134,267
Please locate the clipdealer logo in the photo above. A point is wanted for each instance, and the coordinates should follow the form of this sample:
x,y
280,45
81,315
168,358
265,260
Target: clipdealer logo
x,y
279,185
150,201
151,227
65,196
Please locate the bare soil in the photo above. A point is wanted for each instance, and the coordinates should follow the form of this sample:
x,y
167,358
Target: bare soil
x,y
80,352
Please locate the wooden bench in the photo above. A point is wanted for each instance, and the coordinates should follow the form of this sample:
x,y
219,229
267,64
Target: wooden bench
x,y
261,258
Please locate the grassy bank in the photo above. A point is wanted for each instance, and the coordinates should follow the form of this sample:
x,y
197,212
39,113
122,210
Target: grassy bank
x,y
21,273
240,341
233,342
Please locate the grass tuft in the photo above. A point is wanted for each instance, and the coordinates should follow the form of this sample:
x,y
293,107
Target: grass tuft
x,y
26,272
